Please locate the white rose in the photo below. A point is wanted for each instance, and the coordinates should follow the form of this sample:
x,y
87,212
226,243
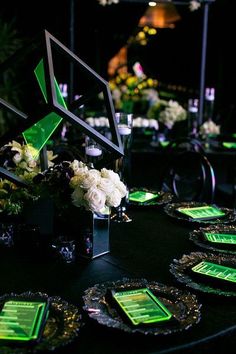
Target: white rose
x,y
78,197
102,121
137,122
114,199
90,121
28,153
153,123
81,171
107,124
122,189
17,158
78,167
90,179
95,199
145,122
32,163
74,165
97,122
106,185
114,177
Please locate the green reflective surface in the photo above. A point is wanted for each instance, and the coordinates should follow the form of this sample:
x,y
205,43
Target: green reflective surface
x,y
40,132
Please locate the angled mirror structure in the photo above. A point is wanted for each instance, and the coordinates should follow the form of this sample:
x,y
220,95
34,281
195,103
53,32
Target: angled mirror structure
x,y
32,102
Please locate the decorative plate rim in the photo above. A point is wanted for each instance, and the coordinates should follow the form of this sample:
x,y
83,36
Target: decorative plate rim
x,y
171,207
72,321
195,236
164,198
178,269
99,310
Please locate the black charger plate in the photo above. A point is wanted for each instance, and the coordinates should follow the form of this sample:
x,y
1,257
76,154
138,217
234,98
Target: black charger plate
x,y
171,210
197,236
181,270
183,305
62,327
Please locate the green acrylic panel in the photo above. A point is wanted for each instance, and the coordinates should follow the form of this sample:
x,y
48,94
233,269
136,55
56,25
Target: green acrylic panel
x,y
141,306
201,213
216,271
21,320
221,238
40,132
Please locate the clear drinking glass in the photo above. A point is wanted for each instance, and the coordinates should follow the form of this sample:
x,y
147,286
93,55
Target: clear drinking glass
x,y
193,104
93,151
64,250
6,234
124,122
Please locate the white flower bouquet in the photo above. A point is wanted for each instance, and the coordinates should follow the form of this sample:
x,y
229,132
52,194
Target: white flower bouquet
x,y
172,113
167,112
94,189
209,127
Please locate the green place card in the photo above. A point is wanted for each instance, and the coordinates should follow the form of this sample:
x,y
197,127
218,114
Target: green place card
x,y
141,306
21,320
142,196
216,271
229,145
204,212
220,238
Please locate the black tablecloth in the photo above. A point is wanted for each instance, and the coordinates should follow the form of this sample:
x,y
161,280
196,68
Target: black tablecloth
x,y
143,248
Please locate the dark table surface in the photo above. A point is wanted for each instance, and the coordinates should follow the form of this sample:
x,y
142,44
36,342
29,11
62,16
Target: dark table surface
x,y
143,248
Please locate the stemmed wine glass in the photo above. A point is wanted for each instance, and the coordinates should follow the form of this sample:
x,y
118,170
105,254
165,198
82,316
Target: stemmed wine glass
x,y
124,122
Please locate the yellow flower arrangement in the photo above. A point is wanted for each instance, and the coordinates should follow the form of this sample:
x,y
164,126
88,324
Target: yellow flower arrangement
x,y
127,89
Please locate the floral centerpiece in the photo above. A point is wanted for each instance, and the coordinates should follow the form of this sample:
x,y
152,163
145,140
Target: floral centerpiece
x,y
167,112
74,181
81,195
132,93
208,128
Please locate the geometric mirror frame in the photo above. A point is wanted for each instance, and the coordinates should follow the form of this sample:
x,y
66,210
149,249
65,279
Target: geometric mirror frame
x,y
52,105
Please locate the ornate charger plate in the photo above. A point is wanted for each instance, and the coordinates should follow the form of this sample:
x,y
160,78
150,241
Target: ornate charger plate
x,y
62,327
180,268
171,210
163,198
197,237
184,306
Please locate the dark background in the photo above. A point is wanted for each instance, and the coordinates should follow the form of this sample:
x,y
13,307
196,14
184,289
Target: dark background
x,y
172,56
